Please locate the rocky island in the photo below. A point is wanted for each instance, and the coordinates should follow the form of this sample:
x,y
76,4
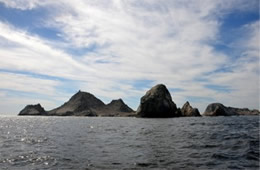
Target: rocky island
x,y
156,103
82,104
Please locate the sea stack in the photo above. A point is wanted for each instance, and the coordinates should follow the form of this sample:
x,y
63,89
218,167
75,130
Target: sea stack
x,y
33,110
157,103
188,110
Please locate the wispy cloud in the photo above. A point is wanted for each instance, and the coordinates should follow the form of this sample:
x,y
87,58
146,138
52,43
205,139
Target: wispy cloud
x,y
107,47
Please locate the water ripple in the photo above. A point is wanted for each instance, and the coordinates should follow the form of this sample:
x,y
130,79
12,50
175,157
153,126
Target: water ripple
x,y
129,143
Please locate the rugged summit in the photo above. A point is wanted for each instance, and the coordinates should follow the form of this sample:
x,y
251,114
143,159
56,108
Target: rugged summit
x,y
157,102
218,109
188,110
33,110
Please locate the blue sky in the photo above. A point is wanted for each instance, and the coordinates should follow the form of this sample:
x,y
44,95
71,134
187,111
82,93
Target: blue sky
x,y
204,51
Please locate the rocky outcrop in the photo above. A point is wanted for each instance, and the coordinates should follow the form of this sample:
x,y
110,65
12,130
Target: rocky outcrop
x,y
188,110
218,109
157,103
33,110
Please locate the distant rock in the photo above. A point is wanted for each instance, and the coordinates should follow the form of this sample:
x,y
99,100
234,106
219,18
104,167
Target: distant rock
x,y
33,110
188,110
218,109
157,103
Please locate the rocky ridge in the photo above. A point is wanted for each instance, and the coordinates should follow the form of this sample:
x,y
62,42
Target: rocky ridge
x,y
156,103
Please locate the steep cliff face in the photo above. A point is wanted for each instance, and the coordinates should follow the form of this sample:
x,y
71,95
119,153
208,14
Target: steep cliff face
x,y
157,102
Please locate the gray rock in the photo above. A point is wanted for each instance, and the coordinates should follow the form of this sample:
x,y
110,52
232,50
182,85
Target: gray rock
x,y
33,110
157,103
188,110
218,109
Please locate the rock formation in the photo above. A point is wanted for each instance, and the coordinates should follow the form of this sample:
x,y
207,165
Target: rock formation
x,y
218,109
157,103
33,110
119,105
187,110
116,108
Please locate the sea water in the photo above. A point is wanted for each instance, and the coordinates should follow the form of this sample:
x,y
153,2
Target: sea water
x,y
129,143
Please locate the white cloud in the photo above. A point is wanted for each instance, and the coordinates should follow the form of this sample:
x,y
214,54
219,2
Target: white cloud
x,y
25,83
162,41
244,78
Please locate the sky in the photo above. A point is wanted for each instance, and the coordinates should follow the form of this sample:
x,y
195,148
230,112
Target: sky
x,y
204,51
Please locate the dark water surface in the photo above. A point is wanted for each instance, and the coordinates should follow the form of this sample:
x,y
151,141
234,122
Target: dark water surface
x,y
129,143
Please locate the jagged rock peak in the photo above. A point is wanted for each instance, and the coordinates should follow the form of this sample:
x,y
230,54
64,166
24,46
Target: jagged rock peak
x,y
188,110
33,110
157,102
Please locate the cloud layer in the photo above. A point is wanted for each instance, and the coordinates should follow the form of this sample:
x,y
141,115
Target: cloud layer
x,y
120,48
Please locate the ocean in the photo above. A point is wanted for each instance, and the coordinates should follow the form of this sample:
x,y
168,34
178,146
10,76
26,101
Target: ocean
x,y
129,143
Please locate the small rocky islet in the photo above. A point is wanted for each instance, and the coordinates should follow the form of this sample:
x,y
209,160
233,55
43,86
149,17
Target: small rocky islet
x,y
156,103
